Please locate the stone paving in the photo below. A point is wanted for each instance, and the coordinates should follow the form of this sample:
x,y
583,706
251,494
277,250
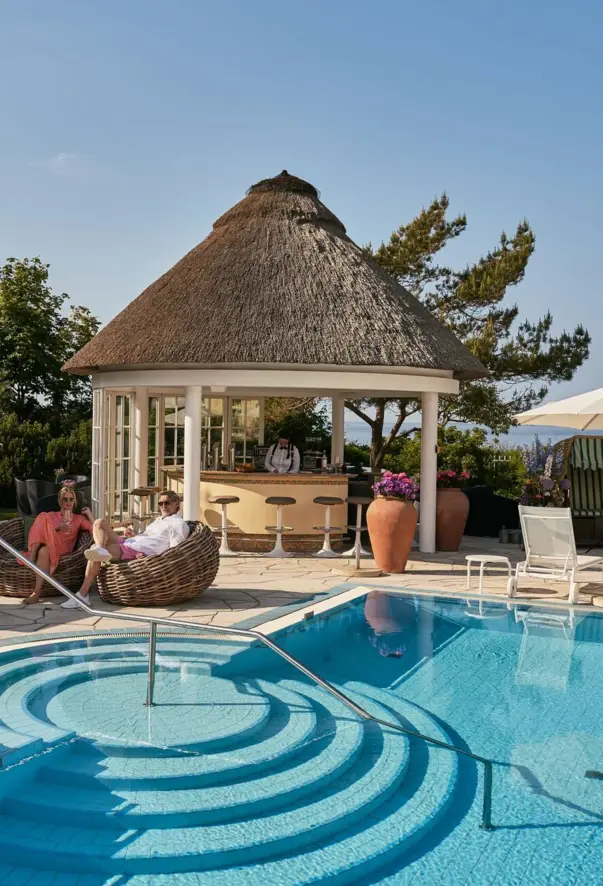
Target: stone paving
x,y
254,588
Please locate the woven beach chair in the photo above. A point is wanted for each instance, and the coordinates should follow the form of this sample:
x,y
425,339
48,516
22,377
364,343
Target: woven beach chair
x,y
18,581
164,579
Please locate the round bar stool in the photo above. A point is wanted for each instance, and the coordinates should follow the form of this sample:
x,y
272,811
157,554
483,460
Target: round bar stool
x,y
328,502
357,550
280,501
224,501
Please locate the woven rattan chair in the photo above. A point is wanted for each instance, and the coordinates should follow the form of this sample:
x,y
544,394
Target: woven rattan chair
x,y
164,579
18,581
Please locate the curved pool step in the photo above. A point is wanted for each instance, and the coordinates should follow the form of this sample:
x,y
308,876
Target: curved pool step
x,y
227,780
332,750
388,833
292,725
379,769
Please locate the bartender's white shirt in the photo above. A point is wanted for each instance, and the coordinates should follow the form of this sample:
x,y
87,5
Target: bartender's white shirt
x,y
278,461
160,535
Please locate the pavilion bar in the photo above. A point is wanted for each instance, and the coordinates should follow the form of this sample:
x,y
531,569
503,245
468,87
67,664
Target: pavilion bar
x,y
276,302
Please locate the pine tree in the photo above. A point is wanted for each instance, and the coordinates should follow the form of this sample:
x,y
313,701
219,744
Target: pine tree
x,y
523,357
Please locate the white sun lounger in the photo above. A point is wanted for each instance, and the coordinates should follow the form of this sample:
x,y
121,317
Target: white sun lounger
x,y
548,536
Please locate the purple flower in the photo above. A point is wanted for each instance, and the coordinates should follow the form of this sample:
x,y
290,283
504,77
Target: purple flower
x,y
397,486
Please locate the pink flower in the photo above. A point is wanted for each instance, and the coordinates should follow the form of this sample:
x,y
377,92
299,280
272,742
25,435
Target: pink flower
x,y
465,475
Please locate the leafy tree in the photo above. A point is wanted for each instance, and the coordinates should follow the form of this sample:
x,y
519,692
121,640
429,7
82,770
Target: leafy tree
x,y
72,451
23,452
463,450
36,338
523,357
298,419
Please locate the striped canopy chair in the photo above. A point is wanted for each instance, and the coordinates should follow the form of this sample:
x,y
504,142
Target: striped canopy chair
x,y
584,469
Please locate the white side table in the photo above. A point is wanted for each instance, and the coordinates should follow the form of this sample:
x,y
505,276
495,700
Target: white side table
x,y
484,560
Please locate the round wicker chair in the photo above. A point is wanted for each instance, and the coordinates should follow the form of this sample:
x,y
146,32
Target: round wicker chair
x,y
164,579
18,581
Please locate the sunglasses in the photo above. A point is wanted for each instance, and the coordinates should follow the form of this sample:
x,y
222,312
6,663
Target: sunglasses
x,y
165,503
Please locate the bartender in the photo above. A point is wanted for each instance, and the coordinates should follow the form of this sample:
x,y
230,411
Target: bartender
x,y
282,457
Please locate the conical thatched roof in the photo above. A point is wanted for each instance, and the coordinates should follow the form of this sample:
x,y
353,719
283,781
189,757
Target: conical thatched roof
x,y
276,281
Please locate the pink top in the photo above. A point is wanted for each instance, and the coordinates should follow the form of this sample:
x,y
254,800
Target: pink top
x,y
60,538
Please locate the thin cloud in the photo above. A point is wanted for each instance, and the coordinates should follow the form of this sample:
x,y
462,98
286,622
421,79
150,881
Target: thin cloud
x,y
61,164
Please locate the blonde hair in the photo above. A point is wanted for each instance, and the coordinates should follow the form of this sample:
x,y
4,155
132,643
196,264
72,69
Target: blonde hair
x,y
67,490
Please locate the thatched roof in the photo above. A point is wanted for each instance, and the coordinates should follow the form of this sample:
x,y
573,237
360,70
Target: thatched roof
x,y
276,281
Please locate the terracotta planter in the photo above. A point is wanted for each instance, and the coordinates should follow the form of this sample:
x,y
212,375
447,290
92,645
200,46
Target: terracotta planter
x,y
391,525
452,510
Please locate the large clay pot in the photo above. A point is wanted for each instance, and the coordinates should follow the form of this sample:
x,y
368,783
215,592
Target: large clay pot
x,y
391,525
452,510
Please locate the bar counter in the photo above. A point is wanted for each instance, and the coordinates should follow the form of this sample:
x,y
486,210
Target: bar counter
x,y
247,520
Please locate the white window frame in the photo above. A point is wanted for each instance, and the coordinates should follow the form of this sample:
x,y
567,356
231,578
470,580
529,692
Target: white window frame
x,y
113,512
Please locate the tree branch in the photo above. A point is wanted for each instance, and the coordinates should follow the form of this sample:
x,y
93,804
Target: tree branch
x,y
349,404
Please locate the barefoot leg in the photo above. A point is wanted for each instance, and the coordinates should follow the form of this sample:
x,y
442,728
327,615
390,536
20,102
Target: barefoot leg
x,y
42,559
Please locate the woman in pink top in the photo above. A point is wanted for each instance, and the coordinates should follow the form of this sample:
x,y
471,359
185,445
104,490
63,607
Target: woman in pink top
x,y
54,534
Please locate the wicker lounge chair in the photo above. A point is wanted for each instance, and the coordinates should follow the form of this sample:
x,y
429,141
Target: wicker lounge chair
x,y
18,581
164,579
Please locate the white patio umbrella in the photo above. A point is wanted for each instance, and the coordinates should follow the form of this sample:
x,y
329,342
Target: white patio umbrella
x,y
584,412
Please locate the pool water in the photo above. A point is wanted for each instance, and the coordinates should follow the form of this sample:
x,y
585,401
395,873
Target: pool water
x,y
244,772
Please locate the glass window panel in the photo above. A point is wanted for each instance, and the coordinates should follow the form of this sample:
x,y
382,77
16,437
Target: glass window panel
x,y
180,412
119,411
180,443
152,472
127,404
170,411
238,418
126,474
153,442
252,417
217,412
152,412
118,484
126,443
170,442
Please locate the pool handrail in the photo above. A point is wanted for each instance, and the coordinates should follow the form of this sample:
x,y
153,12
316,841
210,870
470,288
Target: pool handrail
x,y
153,621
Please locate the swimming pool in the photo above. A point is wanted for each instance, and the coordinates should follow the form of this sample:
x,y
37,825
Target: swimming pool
x,y
243,772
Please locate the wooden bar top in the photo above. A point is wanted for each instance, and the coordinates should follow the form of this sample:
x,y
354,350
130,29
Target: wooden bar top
x,y
244,478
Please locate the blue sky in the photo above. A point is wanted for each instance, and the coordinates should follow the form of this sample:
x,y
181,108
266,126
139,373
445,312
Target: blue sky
x,y
130,126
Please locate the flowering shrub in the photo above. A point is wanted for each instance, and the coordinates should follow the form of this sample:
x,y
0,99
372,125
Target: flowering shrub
x,y
545,492
542,459
396,486
545,485
453,479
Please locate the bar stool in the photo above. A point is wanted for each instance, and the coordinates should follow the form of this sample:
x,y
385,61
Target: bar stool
x,y
224,501
357,550
328,502
280,501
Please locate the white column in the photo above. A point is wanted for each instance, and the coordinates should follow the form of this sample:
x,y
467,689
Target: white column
x,y
141,436
192,452
429,469
337,428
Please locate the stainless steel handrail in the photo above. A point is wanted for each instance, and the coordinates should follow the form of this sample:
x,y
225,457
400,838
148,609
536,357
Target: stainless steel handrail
x,y
153,621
